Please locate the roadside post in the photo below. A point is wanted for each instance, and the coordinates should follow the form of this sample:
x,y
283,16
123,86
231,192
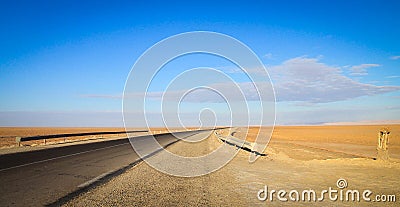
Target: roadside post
x,y
383,140
18,141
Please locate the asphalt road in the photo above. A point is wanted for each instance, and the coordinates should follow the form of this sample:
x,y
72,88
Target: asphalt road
x,y
38,178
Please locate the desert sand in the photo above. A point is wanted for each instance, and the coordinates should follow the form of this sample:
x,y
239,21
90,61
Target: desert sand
x,y
298,158
8,134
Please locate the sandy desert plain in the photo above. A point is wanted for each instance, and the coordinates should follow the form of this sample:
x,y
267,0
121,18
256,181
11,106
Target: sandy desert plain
x,y
298,158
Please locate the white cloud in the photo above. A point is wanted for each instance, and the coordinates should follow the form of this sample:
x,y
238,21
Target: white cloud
x,y
268,56
216,93
359,70
395,57
105,96
299,79
307,79
393,76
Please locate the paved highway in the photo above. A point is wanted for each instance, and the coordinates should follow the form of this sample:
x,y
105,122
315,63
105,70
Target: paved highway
x,y
43,177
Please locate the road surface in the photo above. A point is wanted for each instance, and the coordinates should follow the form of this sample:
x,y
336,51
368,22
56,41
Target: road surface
x,y
42,177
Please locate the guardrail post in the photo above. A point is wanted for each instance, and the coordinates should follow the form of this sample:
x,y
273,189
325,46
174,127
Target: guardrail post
x,y
18,140
383,140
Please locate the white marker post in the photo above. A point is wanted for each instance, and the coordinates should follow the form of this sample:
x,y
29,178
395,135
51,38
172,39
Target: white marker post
x,y
383,140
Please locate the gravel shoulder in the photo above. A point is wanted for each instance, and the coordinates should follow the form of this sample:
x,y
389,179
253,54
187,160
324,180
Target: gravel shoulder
x,y
144,186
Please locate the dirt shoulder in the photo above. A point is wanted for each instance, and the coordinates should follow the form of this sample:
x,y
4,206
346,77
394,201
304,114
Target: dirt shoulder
x,y
145,186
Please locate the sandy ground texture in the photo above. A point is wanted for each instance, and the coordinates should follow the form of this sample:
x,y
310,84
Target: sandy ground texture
x,y
145,186
357,139
288,166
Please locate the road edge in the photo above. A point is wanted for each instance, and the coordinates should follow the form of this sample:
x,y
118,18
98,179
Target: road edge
x,y
104,178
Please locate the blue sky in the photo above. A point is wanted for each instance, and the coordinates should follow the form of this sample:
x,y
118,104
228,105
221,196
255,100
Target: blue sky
x,y
64,63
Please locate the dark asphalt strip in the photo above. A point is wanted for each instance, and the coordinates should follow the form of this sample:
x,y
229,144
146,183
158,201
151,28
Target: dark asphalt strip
x,y
101,180
55,175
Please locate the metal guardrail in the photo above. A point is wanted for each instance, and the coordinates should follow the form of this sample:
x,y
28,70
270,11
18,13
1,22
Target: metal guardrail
x,y
52,136
239,143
